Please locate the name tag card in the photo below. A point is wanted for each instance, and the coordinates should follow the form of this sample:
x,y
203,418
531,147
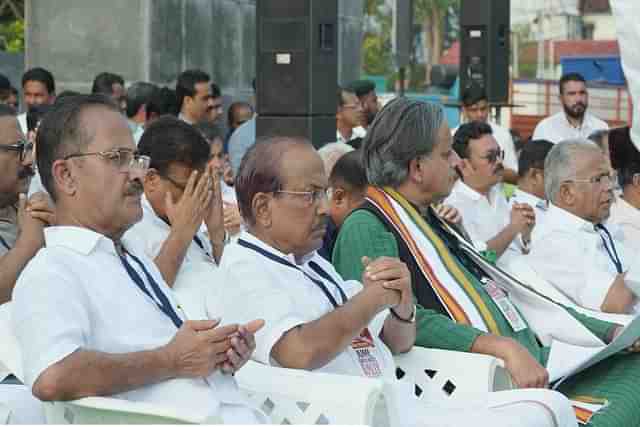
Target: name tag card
x,y
504,305
363,350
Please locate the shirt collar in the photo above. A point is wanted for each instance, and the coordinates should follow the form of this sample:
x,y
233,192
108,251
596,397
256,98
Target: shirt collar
x,y
184,118
566,219
78,239
521,196
148,212
248,237
475,195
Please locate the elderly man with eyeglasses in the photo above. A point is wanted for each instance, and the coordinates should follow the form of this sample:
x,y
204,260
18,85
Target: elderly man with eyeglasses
x,y
494,227
21,220
91,312
584,257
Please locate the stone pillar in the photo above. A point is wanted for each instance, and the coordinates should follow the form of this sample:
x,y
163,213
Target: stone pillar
x,y
153,40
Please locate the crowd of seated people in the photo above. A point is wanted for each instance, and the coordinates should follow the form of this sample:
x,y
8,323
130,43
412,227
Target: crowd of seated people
x,y
147,253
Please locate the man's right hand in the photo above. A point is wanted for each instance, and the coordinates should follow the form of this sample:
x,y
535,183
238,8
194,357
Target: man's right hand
x,y
525,371
523,217
33,215
199,347
187,214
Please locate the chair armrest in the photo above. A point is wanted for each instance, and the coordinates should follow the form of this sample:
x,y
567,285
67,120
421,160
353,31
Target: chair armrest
x,y
109,410
5,413
10,355
442,374
295,396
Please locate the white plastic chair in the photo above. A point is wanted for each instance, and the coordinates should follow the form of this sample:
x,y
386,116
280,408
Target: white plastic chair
x,y
293,396
108,410
440,375
5,413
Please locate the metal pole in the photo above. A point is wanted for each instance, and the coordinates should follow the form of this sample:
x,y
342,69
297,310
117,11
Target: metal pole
x,y
401,78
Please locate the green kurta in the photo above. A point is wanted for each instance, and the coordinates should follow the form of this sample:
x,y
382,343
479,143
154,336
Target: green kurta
x,y
616,379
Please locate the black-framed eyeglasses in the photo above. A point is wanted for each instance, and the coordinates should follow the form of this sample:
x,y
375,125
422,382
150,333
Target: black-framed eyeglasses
x,y
23,147
123,158
493,156
309,197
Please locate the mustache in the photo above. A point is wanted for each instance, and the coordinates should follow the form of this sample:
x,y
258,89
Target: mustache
x,y
499,168
26,172
135,188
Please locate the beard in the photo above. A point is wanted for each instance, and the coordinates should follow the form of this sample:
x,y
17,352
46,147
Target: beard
x,y
575,111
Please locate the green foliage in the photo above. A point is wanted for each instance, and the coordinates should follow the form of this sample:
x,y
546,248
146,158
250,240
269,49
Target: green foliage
x,y
12,36
376,55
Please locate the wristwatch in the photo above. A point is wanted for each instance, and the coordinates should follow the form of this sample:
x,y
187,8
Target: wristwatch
x,y
411,319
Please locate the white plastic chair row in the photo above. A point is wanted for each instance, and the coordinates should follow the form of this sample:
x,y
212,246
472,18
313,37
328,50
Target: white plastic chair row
x,y
289,396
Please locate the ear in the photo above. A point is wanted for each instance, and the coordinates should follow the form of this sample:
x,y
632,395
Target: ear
x,y
415,170
261,207
63,179
636,180
151,180
566,194
339,196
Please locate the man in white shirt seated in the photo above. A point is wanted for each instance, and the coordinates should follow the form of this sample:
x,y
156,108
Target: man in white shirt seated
x,y
584,259
349,118
574,121
317,321
480,199
91,313
530,189
475,107
181,192
625,211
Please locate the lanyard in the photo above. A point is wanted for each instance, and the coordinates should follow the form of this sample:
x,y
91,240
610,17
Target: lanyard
x,y
164,305
4,243
613,253
196,239
315,267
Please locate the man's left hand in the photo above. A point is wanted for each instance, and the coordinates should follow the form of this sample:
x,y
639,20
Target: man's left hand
x,y
243,344
391,274
214,216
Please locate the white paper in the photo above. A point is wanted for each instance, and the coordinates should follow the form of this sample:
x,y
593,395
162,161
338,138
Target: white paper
x,y
564,358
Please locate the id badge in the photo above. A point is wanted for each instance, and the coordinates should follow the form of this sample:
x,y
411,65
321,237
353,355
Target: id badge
x,y
363,350
504,304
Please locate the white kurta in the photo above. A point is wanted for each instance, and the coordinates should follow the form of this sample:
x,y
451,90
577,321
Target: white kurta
x,y
198,270
557,128
485,217
572,257
627,219
285,297
76,294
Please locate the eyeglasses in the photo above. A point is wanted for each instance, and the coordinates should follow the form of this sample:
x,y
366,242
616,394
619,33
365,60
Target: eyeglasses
x,y
602,179
23,147
309,197
125,159
494,155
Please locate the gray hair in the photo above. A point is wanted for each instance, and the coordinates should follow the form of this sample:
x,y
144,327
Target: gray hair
x,y
331,153
559,166
402,131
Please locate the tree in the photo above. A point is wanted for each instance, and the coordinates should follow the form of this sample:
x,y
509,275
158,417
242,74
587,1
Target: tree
x,y
431,14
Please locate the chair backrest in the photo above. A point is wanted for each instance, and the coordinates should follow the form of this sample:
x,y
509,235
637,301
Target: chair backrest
x,y
107,410
10,356
294,396
5,413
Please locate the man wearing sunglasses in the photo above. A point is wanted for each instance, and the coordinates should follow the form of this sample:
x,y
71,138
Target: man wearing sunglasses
x,y
21,220
479,196
585,258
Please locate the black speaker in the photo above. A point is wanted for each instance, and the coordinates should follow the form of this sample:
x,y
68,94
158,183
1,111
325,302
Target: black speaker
x,y
297,57
484,47
402,34
317,129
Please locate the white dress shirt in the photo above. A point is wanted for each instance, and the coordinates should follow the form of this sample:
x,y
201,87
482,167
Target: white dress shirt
x,y
557,128
22,121
540,206
198,270
357,132
627,219
76,294
484,217
285,297
572,257
505,141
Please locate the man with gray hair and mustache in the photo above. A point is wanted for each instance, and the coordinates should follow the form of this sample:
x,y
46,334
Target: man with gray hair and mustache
x,y
583,258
